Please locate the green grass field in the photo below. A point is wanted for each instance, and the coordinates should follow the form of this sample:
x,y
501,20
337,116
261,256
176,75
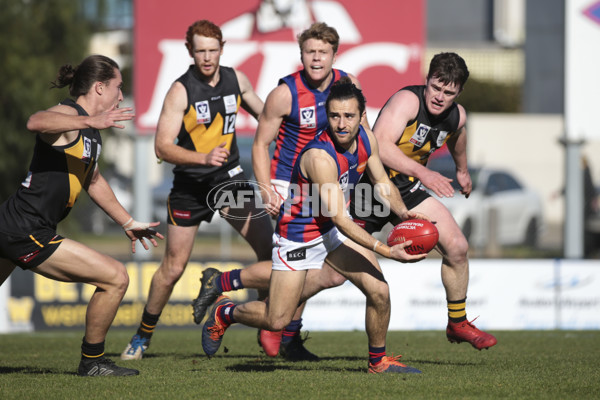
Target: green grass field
x,y
523,365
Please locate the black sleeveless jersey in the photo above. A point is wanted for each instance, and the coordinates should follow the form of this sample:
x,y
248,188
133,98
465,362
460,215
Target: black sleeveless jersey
x,y
208,122
423,135
56,176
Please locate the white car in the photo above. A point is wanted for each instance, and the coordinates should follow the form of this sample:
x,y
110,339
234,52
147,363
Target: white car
x,y
497,199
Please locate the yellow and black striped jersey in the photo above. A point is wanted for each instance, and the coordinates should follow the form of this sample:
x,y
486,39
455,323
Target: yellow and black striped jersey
x,y
423,135
208,122
56,176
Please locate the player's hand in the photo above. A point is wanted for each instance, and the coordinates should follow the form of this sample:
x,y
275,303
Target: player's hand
x,y
109,119
271,201
438,183
464,180
142,230
217,156
399,254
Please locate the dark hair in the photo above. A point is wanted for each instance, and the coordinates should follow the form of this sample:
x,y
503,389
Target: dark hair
x,y
345,89
320,31
95,68
202,28
449,68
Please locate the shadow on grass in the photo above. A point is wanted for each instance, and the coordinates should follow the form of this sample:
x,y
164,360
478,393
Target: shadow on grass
x,y
445,362
32,370
296,366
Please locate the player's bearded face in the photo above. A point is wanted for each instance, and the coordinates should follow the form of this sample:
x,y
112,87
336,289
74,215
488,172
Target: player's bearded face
x,y
317,59
207,53
344,121
439,96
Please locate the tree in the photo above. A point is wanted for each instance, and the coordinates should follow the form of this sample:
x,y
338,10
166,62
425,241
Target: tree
x,y
36,38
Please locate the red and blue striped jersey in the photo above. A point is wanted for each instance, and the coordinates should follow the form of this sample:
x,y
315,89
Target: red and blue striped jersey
x,y
307,117
301,218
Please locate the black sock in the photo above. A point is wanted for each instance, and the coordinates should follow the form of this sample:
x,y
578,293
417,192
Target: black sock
x,y
91,351
148,324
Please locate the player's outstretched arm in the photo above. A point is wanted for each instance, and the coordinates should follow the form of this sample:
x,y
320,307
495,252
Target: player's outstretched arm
x,y
101,193
61,118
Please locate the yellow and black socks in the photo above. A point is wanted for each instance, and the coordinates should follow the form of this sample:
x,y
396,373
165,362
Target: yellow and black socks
x,y
91,351
148,324
457,310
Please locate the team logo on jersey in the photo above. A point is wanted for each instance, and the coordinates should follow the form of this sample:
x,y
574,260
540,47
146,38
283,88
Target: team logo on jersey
x,y
87,149
441,138
308,117
344,181
202,112
418,138
230,104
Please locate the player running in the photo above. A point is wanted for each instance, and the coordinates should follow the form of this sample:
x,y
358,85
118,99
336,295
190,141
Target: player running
x,y
415,122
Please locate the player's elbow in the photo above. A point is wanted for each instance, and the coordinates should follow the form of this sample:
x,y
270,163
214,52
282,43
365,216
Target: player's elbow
x,y
33,124
159,151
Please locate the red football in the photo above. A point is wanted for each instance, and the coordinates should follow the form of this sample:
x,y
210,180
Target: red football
x,y
424,236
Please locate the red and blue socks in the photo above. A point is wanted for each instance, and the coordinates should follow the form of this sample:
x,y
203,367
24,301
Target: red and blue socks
x,y
291,330
225,313
230,280
376,354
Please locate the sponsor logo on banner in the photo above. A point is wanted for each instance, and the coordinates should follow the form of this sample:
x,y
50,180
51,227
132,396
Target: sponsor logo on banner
x,y
261,41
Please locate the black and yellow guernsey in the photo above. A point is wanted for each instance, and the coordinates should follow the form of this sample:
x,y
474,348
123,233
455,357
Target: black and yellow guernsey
x,y
423,135
208,122
56,176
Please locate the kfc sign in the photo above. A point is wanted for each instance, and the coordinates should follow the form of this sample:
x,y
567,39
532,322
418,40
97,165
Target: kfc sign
x,y
381,43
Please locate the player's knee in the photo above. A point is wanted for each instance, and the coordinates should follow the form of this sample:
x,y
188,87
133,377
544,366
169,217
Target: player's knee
x,y
457,249
333,279
119,279
379,294
172,270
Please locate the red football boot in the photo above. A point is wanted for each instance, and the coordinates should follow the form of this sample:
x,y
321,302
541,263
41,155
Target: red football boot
x,y
465,331
270,341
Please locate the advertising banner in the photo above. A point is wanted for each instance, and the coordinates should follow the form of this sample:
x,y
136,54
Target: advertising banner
x,y
381,45
503,295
